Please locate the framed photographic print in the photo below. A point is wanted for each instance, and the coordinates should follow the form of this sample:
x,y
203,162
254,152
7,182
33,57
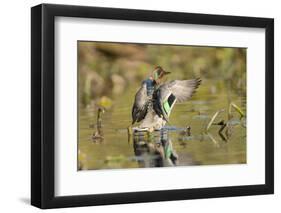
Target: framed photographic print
x,y
140,106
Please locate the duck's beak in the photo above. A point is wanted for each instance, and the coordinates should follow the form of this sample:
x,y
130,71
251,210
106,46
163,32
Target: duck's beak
x,y
166,72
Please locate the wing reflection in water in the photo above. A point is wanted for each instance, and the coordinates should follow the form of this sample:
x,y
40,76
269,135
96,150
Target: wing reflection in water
x,y
154,149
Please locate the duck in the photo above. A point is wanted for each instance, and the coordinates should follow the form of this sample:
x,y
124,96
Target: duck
x,y
156,98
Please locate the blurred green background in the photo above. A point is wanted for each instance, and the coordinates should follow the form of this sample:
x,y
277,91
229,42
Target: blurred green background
x,y
110,74
107,69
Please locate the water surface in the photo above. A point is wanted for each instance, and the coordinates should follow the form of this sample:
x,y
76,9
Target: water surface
x,y
118,150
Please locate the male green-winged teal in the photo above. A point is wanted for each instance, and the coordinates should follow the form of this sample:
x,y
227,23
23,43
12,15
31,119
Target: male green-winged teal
x,y
155,100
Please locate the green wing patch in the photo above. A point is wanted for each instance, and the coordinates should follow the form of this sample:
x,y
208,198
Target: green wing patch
x,y
168,104
167,107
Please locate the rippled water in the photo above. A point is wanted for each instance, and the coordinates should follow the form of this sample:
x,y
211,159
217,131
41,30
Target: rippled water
x,y
172,147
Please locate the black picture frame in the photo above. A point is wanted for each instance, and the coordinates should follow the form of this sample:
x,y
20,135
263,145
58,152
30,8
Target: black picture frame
x,y
43,105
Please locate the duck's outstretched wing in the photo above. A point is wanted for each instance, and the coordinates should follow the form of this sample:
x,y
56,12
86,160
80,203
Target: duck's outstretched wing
x,y
183,90
171,92
140,106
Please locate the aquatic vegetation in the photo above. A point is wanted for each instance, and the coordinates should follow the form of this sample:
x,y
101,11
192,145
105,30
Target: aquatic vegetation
x,y
109,75
213,119
233,105
229,124
98,134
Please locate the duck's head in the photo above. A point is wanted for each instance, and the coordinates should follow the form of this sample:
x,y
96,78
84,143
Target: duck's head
x,y
158,74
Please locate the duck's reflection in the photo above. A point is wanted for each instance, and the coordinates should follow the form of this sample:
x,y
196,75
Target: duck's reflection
x,y
154,149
